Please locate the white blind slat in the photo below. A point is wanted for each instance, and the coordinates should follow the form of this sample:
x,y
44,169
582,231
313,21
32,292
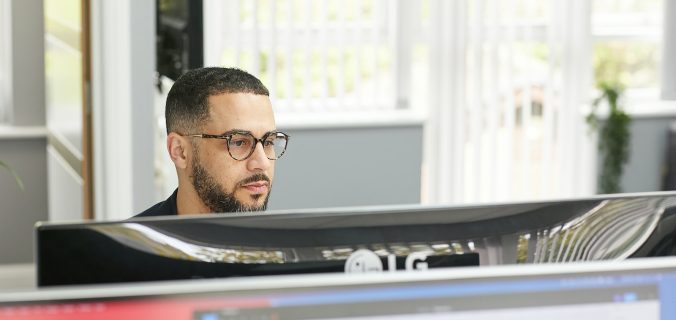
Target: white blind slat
x,y
324,93
290,97
255,47
237,26
272,51
307,54
341,64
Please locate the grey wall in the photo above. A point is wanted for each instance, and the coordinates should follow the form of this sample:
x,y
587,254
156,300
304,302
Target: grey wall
x,y
19,210
28,74
335,167
25,153
643,172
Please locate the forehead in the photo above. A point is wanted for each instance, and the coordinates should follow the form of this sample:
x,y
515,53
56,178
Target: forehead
x,y
245,111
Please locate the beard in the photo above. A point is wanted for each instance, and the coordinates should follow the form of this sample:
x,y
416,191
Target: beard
x,y
212,195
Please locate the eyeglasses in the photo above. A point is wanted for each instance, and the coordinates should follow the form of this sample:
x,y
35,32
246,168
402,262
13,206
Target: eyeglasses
x,y
241,144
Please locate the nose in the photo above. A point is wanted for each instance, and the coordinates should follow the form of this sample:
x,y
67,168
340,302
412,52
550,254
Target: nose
x,y
258,161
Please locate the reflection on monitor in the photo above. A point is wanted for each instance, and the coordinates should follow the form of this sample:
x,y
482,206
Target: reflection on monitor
x,y
636,289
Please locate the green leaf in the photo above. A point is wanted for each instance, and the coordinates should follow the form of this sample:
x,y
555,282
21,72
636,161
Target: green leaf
x,y
16,176
614,137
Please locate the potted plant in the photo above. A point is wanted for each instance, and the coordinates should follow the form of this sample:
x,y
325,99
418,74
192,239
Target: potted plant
x,y
16,176
614,137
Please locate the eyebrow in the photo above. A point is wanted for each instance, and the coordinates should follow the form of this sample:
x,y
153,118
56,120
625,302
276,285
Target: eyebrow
x,y
231,131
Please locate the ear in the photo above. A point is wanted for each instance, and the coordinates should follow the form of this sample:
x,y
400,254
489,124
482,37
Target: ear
x,y
179,149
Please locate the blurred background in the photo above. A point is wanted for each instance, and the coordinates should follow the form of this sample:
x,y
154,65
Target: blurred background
x,y
387,102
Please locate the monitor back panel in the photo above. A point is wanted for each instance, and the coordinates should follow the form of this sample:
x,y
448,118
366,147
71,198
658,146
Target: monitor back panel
x,y
353,239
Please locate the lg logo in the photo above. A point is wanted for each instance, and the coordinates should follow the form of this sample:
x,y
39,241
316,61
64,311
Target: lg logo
x,y
364,260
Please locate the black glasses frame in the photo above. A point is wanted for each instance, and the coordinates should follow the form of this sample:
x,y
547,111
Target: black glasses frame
x,y
228,136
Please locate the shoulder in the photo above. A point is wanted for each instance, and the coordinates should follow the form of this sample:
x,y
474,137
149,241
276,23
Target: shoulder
x,y
155,210
162,208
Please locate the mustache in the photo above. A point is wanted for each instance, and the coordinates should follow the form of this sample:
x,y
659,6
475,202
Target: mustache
x,y
254,178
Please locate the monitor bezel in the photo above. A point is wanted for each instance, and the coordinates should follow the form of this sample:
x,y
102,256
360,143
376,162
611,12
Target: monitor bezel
x,y
265,285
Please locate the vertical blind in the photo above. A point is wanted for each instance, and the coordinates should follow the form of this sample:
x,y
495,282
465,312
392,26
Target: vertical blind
x,y
507,119
314,56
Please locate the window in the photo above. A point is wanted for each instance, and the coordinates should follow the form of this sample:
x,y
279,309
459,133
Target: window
x,y
627,38
315,56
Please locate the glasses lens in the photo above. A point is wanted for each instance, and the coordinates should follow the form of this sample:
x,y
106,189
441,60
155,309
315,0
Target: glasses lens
x,y
240,145
275,145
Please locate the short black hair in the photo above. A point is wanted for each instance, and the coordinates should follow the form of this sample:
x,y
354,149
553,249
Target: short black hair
x,y
187,105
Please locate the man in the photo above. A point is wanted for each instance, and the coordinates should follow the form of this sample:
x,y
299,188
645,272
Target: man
x,y
222,138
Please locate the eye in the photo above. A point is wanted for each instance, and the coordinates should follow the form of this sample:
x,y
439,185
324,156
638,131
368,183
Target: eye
x,y
268,143
239,142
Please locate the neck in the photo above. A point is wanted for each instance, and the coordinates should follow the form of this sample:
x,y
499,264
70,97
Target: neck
x,y
188,201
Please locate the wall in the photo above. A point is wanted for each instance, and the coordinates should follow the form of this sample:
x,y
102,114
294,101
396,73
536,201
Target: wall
x,y
19,210
643,172
23,144
123,79
28,67
648,146
355,166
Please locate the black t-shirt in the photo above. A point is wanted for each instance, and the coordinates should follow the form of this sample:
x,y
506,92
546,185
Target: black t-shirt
x,y
163,208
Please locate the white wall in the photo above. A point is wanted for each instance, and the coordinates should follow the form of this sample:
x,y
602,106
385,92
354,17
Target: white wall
x,y
123,64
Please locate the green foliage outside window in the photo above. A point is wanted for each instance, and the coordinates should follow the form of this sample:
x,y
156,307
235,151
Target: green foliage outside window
x,y
614,137
629,64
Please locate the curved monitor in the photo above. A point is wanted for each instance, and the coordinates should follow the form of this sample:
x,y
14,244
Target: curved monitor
x,y
356,239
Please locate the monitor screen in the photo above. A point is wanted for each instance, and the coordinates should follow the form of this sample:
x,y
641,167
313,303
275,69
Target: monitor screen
x,y
355,240
633,289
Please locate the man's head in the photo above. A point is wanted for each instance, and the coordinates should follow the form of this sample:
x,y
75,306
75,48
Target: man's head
x,y
212,115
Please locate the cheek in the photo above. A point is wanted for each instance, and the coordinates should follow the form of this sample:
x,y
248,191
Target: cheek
x,y
222,169
271,172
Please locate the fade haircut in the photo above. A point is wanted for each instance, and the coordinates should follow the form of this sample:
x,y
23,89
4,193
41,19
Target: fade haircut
x,y
187,107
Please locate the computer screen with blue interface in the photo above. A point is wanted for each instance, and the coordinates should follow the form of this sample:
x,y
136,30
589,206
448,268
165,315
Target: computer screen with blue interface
x,y
633,289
